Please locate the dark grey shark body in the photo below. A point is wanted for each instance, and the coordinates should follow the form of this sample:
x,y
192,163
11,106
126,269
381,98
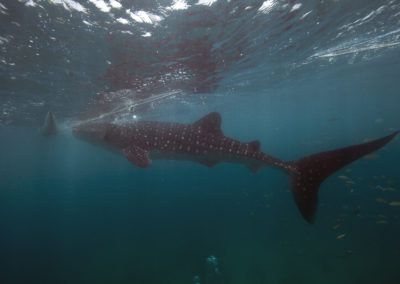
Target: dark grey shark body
x,y
201,142
204,142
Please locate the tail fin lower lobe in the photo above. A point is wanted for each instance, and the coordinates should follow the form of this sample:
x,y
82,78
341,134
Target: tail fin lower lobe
x,y
309,172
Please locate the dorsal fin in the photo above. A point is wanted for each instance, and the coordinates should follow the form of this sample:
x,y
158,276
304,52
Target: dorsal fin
x,y
210,123
254,146
49,127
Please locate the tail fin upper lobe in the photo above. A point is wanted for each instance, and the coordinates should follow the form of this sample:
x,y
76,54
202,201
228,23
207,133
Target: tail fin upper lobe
x,y
309,172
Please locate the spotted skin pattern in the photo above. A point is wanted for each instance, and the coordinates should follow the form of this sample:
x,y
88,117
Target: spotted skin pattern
x,y
201,142
204,142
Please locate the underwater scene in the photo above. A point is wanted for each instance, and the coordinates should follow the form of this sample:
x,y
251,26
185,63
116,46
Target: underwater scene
x,y
199,141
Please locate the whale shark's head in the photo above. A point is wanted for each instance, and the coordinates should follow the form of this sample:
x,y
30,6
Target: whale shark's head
x,y
92,132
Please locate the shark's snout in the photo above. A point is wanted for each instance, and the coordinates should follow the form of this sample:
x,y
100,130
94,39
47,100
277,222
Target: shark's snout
x,y
90,132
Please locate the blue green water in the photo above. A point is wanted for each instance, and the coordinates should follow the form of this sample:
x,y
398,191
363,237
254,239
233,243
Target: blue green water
x,y
74,213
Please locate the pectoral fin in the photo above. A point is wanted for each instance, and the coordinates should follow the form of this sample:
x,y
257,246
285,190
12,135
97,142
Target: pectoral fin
x,y
254,168
137,156
208,163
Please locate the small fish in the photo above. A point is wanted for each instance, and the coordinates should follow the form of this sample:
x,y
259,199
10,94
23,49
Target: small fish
x,y
381,200
341,236
335,227
388,189
371,157
350,182
381,222
394,203
357,210
343,177
348,170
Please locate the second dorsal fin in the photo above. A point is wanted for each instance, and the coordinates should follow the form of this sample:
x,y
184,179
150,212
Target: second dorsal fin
x,y
210,123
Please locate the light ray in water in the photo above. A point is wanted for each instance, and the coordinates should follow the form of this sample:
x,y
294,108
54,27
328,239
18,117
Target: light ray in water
x,y
128,106
350,48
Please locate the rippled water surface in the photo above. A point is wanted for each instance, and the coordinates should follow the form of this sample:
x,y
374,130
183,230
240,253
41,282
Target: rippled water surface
x,y
299,76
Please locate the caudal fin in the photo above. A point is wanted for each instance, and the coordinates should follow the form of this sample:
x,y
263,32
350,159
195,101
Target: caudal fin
x,y
49,127
309,172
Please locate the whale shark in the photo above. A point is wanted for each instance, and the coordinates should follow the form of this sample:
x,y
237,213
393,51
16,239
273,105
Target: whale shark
x,y
204,142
